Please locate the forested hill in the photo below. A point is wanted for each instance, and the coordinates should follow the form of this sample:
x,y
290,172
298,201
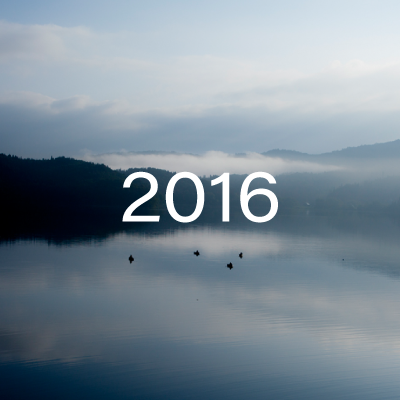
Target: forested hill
x,y
68,187
33,186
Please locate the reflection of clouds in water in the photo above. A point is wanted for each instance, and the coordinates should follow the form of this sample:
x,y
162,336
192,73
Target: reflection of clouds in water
x,y
224,315
213,242
98,297
334,316
210,163
362,250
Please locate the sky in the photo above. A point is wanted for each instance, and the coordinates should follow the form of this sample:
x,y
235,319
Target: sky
x,y
84,78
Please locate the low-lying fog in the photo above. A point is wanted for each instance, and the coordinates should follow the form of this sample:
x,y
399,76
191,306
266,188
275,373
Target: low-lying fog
x,y
210,163
353,169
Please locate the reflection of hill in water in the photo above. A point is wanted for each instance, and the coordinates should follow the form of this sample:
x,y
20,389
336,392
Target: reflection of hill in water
x,y
366,243
98,226
82,227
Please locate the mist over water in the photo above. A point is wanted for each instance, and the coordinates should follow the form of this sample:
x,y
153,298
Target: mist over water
x,y
210,163
364,178
351,164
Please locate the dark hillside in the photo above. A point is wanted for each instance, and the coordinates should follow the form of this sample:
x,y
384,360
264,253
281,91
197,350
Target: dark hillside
x,y
64,185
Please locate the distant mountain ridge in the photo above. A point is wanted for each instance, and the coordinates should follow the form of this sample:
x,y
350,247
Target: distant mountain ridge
x,y
388,150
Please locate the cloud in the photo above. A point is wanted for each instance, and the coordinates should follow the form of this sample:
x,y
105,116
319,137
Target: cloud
x,y
36,125
38,42
71,61
340,88
72,90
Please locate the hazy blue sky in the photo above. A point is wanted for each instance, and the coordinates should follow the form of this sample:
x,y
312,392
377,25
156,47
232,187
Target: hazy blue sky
x,y
232,76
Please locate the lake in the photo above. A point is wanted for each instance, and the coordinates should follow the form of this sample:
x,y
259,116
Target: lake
x,y
311,311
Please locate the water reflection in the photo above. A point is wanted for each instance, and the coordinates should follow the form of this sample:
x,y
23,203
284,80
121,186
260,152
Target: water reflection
x,y
311,311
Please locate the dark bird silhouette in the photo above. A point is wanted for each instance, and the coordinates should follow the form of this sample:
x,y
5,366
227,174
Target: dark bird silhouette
x,y
241,255
130,258
196,253
230,266
342,259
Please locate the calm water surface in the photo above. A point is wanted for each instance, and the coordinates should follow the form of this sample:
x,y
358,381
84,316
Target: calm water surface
x,y
312,311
